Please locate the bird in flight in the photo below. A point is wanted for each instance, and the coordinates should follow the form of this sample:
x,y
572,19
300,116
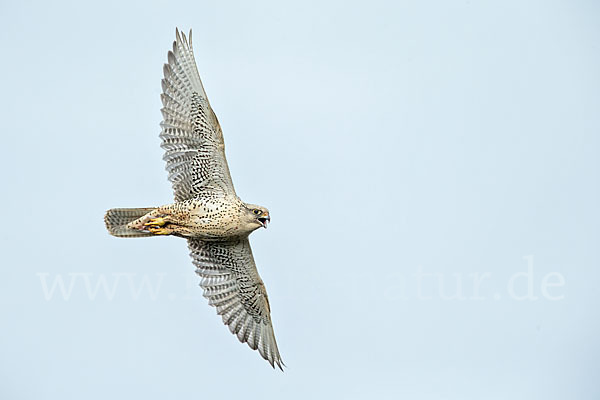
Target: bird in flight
x,y
207,211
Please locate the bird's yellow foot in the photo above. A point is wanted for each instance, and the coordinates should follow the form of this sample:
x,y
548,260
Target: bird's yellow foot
x,y
159,231
155,222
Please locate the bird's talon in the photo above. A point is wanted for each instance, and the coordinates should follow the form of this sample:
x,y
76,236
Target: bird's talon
x,y
159,231
155,222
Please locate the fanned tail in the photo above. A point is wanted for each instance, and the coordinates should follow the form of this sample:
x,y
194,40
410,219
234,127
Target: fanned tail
x,y
116,221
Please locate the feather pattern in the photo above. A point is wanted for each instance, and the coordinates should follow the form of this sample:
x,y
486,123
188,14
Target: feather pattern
x,y
231,283
191,134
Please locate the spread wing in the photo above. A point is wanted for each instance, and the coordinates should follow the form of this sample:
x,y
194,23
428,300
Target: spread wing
x,y
191,134
231,284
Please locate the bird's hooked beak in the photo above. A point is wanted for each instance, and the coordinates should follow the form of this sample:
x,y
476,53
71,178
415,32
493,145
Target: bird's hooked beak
x,y
263,219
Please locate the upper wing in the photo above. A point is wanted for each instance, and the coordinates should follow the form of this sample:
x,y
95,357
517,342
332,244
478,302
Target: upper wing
x,y
231,283
191,134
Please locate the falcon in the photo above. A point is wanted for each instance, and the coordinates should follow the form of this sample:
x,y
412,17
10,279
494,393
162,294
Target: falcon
x,y
207,211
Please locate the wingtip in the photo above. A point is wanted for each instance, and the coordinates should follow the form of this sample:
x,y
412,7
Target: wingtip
x,y
181,39
280,364
178,40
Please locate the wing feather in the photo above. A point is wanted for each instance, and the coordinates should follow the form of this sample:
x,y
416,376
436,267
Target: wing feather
x,y
191,134
231,283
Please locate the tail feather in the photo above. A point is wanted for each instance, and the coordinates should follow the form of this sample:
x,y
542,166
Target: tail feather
x,y
116,221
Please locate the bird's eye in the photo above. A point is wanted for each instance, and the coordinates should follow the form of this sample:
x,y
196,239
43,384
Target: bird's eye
x,y
256,211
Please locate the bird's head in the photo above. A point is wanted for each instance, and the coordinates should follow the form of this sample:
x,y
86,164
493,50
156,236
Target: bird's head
x,y
256,216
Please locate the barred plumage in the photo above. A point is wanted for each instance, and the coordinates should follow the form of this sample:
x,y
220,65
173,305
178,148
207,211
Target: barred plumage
x,y
207,210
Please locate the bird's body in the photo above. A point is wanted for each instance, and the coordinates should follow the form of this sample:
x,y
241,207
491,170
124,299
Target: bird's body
x,y
207,211
215,218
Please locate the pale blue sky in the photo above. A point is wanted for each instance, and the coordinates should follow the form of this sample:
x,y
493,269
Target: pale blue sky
x,y
431,168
